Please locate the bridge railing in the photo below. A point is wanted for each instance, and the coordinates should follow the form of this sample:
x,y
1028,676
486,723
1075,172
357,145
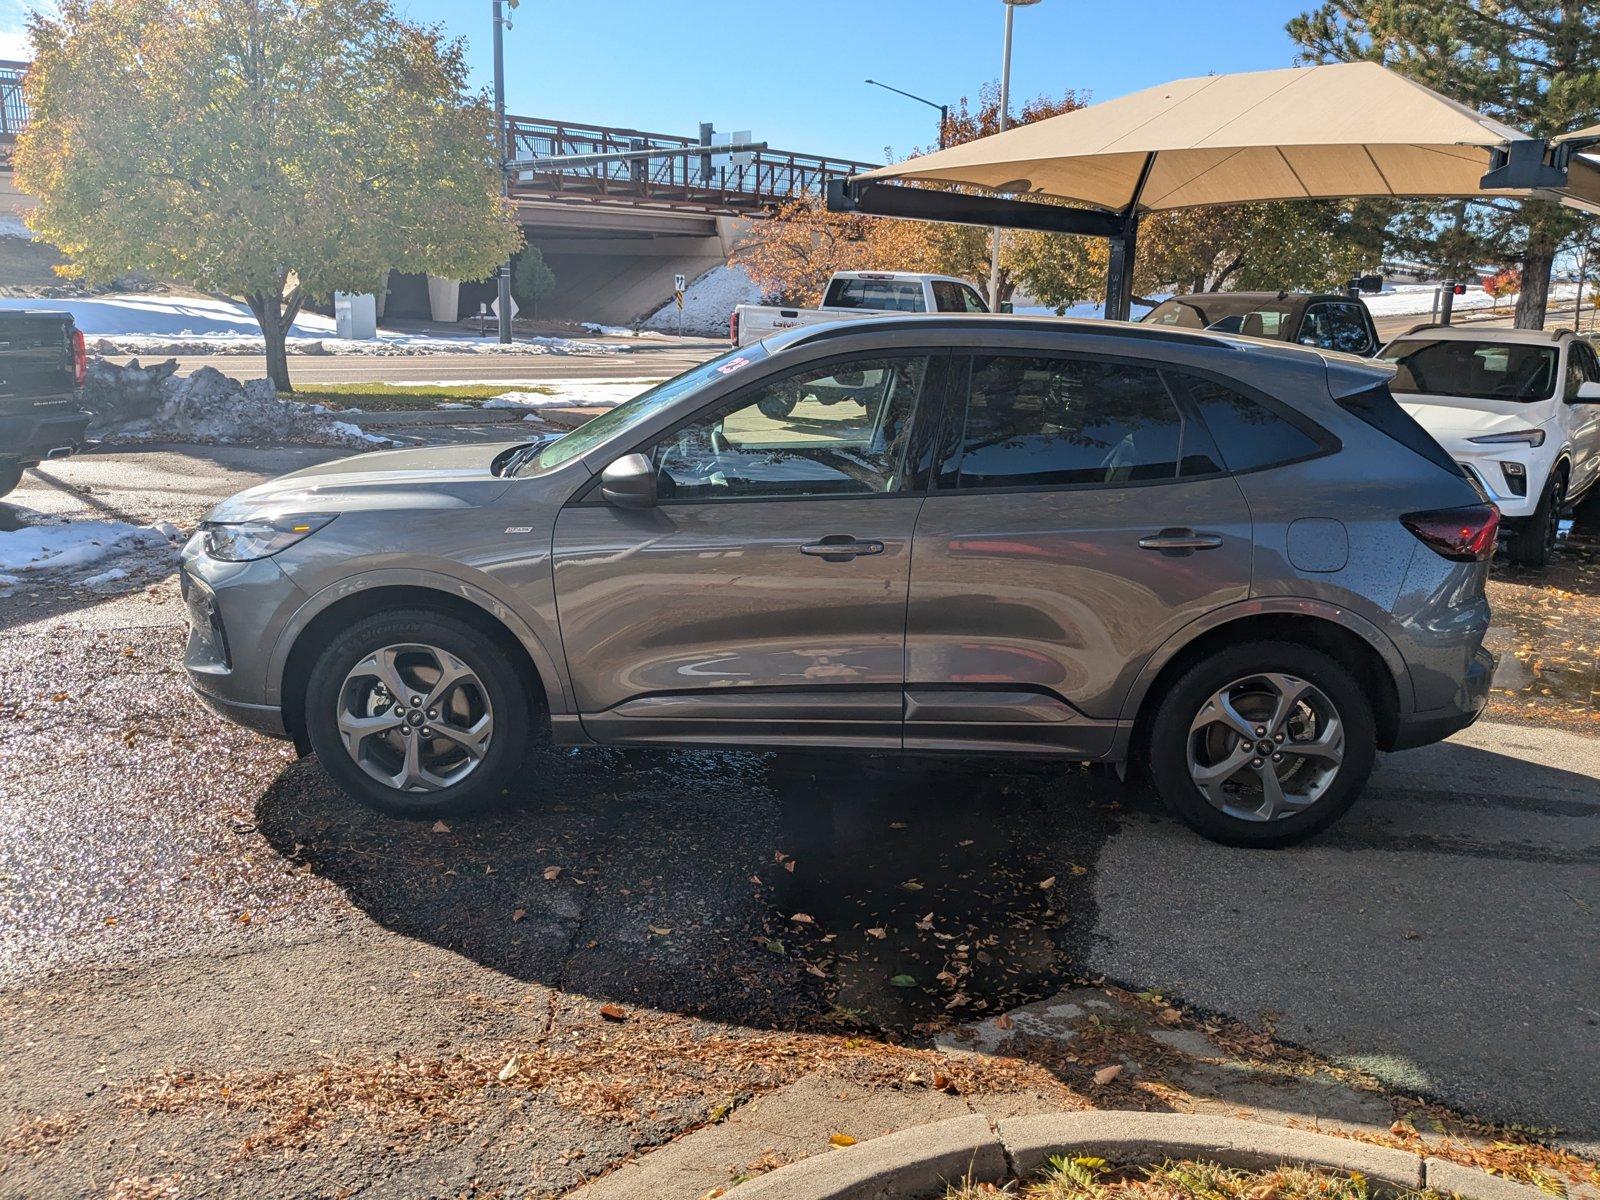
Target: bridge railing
x,y
758,180
13,105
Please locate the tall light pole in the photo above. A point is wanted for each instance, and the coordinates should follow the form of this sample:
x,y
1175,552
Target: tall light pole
x,y
944,109
1005,112
502,140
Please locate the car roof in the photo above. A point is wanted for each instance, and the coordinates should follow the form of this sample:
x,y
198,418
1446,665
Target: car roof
x,y
1257,297
1474,333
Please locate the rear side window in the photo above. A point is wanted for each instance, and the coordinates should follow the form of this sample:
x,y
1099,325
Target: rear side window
x,y
1341,327
1059,422
1377,408
885,294
1249,435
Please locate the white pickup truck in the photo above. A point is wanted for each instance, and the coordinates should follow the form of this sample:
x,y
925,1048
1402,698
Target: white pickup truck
x,y
860,294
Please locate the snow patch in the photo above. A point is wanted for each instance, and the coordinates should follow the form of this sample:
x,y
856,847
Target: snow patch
x,y
56,545
709,302
11,226
574,393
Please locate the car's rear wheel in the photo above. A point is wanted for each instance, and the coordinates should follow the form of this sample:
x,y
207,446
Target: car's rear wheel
x,y
1535,538
418,714
10,476
1263,744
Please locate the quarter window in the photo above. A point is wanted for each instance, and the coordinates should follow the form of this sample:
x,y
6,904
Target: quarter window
x,y
837,430
1051,422
1341,327
1249,435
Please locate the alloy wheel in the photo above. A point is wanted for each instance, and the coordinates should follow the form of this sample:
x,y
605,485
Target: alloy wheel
x,y
415,717
1265,747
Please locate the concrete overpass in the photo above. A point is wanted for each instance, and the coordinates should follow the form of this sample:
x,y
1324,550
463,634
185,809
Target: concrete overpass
x,y
613,234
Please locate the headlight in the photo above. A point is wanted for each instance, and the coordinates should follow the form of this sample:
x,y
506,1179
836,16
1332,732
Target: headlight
x,y
248,540
1525,437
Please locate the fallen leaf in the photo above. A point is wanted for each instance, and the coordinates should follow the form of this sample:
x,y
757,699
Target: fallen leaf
x,y
613,1012
841,1139
1077,870
897,824
660,930
878,931
789,866
1004,1021
802,919
519,914
965,842
440,827
552,873
509,1071
903,981
774,946
816,970
911,885
926,922
1046,884
1106,1074
942,1081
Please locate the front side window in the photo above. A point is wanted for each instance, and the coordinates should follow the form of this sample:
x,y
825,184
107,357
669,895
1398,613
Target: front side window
x,y
1052,422
947,296
974,302
884,295
1341,327
1472,370
834,430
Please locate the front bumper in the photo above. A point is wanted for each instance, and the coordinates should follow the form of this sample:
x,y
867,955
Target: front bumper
x,y
1513,475
1434,725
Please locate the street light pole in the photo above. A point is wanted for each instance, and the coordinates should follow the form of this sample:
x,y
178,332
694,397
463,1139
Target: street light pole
x,y
1005,112
944,109
503,272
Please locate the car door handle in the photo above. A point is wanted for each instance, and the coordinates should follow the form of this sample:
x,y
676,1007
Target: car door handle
x,y
1179,541
840,547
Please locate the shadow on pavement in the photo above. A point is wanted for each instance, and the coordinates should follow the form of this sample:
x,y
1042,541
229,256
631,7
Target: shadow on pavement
x,y
774,890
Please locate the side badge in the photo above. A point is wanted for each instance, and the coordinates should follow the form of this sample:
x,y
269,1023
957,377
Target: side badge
x,y
520,529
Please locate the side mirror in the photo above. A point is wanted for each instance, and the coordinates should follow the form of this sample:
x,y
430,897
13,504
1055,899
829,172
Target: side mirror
x,y
630,482
1588,393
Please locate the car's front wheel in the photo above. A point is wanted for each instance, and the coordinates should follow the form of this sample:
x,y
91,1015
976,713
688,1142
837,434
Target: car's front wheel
x,y
417,713
10,476
1263,744
1535,538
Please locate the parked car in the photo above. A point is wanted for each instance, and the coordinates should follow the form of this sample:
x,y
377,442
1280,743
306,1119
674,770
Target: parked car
x,y
1519,409
1239,564
43,363
1328,321
859,294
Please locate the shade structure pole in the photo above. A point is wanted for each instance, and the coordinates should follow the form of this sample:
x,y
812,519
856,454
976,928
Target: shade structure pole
x,y
1119,271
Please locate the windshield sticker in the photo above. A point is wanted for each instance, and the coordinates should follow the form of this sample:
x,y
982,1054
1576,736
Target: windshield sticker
x,y
732,365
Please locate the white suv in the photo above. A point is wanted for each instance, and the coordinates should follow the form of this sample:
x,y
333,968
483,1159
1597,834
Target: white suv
x,y
1518,408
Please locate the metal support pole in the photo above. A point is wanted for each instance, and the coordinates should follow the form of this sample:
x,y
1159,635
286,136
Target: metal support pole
x,y
502,139
1119,271
1005,108
1447,301
707,133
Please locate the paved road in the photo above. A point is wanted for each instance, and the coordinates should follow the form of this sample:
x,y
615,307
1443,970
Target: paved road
x,y
636,358
174,890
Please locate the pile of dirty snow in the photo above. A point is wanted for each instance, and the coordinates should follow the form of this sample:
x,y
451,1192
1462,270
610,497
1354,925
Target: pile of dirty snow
x,y
45,543
208,406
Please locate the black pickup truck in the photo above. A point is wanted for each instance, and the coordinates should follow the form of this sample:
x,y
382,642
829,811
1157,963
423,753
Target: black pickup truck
x,y
42,368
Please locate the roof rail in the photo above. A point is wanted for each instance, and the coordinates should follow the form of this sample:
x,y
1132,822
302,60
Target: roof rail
x,y
1421,327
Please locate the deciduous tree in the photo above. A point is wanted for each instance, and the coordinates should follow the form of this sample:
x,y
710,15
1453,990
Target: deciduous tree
x,y
277,150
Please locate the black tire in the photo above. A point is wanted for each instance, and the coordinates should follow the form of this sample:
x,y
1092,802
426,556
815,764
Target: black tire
x,y
1170,733
777,407
10,476
507,695
1534,538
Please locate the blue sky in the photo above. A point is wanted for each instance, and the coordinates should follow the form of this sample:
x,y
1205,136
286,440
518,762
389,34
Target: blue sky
x,y
792,71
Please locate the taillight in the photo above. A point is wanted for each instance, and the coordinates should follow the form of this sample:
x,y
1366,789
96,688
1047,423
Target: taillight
x,y
1459,534
733,327
80,358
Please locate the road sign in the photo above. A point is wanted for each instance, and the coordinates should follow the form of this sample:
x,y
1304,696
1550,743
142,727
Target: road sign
x,y
495,307
678,282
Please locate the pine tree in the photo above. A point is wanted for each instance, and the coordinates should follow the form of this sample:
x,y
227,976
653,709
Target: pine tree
x,y
1533,64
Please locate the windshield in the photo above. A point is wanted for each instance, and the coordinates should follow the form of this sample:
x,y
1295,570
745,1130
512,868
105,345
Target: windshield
x,y
625,416
1225,314
1472,370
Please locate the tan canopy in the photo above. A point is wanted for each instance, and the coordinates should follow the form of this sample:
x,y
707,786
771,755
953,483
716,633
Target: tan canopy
x,y
1351,129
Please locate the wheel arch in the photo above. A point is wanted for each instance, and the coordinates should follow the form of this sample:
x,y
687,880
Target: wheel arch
x,y
1372,658
349,600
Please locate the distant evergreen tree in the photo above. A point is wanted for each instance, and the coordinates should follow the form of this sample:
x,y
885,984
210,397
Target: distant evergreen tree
x,y
531,280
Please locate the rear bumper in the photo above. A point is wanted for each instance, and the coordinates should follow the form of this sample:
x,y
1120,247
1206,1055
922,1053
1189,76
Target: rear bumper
x,y
1434,725
31,437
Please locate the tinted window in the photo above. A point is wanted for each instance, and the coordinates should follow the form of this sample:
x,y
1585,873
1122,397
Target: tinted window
x,y
975,302
947,297
1472,370
1577,369
1249,435
884,294
1341,327
826,431
1040,422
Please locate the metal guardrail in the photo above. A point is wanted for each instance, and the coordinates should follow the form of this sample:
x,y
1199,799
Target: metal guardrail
x,y
698,182
703,179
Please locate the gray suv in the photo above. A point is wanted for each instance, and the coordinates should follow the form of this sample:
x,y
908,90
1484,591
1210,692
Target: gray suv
x,y
1238,564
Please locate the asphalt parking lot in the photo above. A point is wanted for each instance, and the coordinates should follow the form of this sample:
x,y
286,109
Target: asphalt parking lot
x,y
178,894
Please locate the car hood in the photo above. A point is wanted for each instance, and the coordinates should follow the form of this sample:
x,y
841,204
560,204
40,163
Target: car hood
x,y
419,478
1446,417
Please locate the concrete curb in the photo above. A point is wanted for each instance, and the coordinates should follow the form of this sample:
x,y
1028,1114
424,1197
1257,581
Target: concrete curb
x,y
917,1163
433,416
